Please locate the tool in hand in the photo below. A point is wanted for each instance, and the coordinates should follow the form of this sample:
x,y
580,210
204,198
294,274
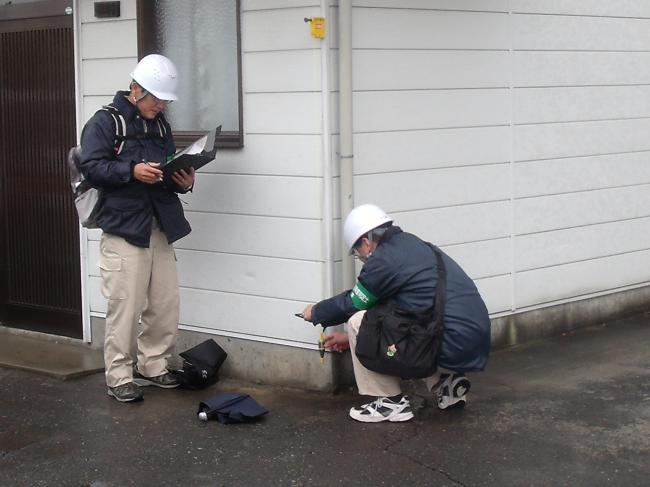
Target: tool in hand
x,y
321,346
321,340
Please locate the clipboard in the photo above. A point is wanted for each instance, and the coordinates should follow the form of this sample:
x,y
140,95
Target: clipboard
x,y
192,156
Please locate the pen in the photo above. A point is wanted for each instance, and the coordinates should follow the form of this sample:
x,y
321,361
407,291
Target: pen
x,y
299,315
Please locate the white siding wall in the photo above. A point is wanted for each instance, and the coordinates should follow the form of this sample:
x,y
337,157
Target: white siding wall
x,y
581,173
512,133
254,256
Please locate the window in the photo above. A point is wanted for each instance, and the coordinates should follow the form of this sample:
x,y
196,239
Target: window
x,y
203,39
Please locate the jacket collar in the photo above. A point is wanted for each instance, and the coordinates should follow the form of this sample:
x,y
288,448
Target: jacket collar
x,y
125,107
388,234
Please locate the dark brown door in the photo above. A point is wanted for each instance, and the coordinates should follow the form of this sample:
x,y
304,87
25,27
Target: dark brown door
x,y
39,237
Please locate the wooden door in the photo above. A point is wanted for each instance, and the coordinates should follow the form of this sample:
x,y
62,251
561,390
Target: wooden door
x,y
40,286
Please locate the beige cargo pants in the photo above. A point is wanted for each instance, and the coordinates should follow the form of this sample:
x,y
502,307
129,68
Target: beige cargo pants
x,y
139,284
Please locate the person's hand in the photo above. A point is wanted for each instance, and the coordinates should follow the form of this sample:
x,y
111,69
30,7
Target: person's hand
x,y
185,179
148,172
306,313
337,342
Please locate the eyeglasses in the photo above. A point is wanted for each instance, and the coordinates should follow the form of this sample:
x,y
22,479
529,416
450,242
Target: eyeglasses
x,y
355,253
158,101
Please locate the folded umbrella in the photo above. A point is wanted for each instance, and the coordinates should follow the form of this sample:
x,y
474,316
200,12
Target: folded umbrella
x,y
231,407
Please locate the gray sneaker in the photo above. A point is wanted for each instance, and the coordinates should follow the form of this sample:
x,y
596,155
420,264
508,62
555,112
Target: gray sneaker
x,y
128,392
166,380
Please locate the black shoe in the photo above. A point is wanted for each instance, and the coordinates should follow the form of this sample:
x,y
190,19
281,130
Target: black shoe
x,y
128,392
451,391
166,380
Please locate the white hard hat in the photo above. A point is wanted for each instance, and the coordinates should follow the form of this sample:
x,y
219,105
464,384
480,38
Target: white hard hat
x,y
157,75
361,220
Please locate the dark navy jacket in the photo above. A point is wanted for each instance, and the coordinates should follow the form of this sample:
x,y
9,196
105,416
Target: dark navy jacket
x,y
403,270
128,205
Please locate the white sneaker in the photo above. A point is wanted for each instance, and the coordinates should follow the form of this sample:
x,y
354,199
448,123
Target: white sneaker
x,y
451,391
383,409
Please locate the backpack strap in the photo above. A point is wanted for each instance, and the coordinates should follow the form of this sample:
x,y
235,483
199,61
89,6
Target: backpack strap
x,y
120,127
161,127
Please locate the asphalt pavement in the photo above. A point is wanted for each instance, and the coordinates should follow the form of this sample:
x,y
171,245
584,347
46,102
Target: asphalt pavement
x,y
569,411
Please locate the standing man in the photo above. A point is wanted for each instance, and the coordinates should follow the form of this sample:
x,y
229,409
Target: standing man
x,y
140,219
400,274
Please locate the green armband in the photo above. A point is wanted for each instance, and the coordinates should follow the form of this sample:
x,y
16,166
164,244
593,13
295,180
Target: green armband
x,y
361,297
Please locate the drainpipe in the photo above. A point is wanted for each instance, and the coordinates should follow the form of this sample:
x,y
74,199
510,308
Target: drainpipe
x,y
346,157
328,217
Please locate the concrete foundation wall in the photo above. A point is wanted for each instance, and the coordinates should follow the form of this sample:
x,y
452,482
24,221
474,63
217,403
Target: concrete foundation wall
x,y
264,363
545,322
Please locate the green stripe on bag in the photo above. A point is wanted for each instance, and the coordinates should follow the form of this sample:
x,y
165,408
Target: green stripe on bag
x,y
362,298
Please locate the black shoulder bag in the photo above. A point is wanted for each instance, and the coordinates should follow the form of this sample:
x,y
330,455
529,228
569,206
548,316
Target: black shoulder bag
x,y
402,343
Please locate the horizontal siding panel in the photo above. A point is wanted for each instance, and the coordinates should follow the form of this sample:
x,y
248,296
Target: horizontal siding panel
x,y
283,113
496,293
542,214
574,33
479,259
87,11
104,77
279,71
93,258
97,301
251,235
412,110
256,195
378,28
242,274
580,68
94,233
619,8
247,5
543,105
93,103
581,278
457,224
286,155
579,174
429,189
222,312
548,141
584,243
429,149
471,5
102,40
424,69
278,30
258,317
482,259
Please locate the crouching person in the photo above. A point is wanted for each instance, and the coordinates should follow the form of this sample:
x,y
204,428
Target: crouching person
x,y
413,313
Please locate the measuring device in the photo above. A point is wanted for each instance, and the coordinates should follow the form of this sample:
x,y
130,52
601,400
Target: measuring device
x,y
321,340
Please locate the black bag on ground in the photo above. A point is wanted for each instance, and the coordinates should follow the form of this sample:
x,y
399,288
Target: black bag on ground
x,y
232,407
406,344
201,365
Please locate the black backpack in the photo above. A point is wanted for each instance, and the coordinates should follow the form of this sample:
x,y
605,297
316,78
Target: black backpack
x,y
87,199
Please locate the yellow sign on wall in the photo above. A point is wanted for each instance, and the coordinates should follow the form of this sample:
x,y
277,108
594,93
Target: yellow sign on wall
x,y
317,26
